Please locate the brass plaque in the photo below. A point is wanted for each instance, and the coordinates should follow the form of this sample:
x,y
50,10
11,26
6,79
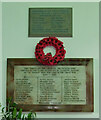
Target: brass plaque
x,y
67,86
56,22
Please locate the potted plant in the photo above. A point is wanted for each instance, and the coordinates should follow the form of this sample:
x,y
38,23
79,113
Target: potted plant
x,y
10,112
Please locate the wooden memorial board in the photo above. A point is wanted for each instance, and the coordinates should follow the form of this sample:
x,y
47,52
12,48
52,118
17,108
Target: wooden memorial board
x,y
65,87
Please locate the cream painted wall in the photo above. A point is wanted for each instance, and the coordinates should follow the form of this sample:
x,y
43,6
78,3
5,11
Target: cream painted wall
x,y
83,44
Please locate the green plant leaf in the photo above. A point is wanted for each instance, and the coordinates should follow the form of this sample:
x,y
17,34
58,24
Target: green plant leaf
x,y
14,104
35,114
19,114
7,115
14,113
0,104
3,109
9,100
23,117
29,115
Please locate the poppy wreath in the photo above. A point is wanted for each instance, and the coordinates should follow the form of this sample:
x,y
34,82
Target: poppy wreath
x,y
48,59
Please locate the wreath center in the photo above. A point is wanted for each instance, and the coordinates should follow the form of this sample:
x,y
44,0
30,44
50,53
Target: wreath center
x,y
50,49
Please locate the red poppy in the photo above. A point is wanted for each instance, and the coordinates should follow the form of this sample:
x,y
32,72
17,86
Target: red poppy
x,y
48,59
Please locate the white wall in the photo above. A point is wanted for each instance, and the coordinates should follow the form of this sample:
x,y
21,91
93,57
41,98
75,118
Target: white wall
x,y
83,44
0,52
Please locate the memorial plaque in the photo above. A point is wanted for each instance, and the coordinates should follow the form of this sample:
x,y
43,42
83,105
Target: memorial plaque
x,y
55,22
67,86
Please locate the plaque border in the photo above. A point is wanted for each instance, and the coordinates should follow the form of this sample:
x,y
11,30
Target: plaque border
x,y
45,35
88,62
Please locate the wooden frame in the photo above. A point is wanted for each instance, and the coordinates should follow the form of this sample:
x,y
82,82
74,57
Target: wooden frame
x,y
88,62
